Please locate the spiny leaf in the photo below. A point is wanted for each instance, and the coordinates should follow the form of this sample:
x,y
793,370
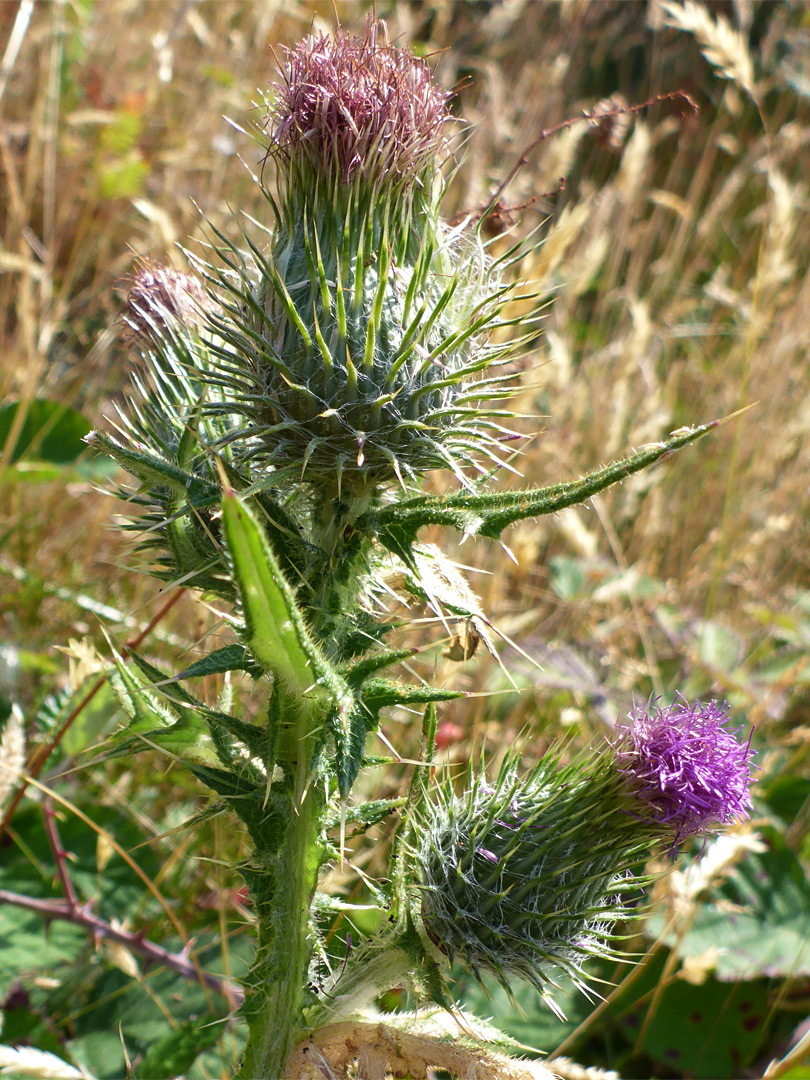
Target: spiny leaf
x,y
274,627
187,739
397,524
364,814
150,469
252,737
379,693
228,658
144,709
358,672
364,717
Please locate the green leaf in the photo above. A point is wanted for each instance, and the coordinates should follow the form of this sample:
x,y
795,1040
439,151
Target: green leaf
x,y
27,943
359,671
758,920
158,718
275,629
397,524
379,693
705,1031
183,704
152,470
144,708
364,717
566,576
365,814
228,658
101,1054
50,432
26,946
178,1049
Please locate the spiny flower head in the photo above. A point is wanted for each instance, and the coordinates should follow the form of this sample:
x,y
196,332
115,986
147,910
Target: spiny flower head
x,y
685,768
354,346
351,105
527,876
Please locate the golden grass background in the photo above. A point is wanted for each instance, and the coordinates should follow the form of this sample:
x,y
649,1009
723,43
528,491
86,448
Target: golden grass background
x,y
675,275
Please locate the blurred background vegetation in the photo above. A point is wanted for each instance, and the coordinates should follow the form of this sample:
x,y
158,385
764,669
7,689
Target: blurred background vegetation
x,y
674,272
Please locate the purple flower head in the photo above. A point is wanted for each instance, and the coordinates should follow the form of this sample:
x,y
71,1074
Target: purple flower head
x,y
358,105
684,767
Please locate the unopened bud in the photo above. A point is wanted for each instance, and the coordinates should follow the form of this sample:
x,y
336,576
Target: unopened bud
x,y
163,301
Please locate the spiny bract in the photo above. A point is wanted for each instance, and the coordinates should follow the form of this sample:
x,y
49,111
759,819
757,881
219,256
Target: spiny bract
x,y
526,878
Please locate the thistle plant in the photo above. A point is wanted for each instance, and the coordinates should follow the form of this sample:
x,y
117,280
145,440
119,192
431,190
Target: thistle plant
x,y
292,393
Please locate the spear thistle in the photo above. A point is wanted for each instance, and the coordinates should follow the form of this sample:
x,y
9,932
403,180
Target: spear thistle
x,y
292,393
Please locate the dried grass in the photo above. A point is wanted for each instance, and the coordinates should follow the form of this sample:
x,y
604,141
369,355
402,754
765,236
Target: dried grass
x,y
722,45
678,266
12,753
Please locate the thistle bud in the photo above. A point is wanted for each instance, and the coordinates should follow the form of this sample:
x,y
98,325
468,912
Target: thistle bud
x,y
527,877
363,321
163,301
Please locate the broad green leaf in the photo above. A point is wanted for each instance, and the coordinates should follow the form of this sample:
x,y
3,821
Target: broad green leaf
x,y
27,944
109,1001
758,920
525,1017
718,646
567,576
101,1054
28,947
178,1049
50,432
705,1031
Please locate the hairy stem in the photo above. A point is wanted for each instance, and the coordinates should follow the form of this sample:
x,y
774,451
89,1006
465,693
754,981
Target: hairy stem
x,y
282,882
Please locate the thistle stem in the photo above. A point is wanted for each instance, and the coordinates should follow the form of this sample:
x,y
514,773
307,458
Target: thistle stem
x,y
283,885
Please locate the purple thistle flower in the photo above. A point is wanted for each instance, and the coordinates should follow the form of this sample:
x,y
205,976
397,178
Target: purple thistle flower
x,y
684,766
355,105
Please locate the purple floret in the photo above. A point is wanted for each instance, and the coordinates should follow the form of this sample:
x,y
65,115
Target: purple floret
x,y
684,766
358,105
